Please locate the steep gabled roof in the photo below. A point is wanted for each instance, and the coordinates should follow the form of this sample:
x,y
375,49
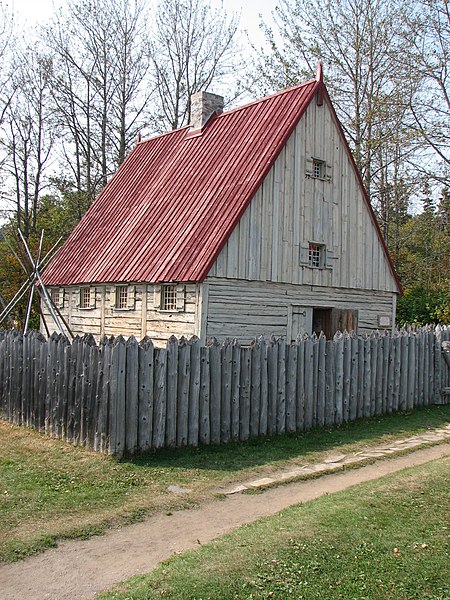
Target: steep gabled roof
x,y
171,206
173,203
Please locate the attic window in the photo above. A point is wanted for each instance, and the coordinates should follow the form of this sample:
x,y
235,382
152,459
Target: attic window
x,y
316,256
122,296
318,168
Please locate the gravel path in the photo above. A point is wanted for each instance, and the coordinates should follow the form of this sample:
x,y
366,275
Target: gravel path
x,y
77,569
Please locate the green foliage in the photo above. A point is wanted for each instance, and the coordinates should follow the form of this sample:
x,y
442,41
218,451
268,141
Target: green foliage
x,y
422,257
57,216
417,307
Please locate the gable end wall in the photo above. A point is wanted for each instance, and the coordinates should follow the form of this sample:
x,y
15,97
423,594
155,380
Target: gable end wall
x,y
292,208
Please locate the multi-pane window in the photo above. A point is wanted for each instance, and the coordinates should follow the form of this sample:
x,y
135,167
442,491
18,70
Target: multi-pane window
x,y
316,255
55,296
169,297
85,297
122,296
318,168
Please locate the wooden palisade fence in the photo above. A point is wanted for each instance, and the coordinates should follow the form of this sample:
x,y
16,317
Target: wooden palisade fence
x,y
123,396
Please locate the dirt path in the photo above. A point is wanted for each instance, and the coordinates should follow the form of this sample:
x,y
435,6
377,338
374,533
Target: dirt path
x,y
79,569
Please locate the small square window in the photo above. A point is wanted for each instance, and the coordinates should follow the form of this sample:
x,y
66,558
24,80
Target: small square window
x,y
318,169
85,297
122,296
169,297
316,256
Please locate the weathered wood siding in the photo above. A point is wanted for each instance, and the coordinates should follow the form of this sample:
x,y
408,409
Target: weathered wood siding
x,y
292,208
246,309
161,325
141,319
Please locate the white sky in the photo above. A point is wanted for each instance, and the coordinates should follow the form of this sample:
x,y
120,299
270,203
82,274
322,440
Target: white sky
x,y
30,12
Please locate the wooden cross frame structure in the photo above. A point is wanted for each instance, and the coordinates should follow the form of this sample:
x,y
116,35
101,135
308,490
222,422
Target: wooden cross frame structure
x,y
33,269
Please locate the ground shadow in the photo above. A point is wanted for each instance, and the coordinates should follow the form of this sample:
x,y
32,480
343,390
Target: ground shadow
x,y
237,456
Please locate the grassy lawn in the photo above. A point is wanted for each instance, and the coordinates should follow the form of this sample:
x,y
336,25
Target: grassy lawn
x,y
382,540
51,490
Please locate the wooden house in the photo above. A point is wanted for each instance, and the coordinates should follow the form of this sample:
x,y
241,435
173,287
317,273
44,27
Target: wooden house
x,y
247,222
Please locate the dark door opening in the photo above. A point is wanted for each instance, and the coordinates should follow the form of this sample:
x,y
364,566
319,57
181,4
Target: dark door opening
x,y
322,321
331,320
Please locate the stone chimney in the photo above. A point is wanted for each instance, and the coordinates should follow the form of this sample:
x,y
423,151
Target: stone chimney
x,y
203,106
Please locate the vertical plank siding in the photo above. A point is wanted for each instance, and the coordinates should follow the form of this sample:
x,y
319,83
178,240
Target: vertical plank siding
x,y
292,208
122,396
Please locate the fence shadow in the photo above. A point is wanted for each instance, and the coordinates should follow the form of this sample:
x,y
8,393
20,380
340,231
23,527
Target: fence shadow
x,y
240,456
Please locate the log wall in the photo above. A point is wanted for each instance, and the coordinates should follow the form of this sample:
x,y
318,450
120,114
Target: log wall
x,y
123,396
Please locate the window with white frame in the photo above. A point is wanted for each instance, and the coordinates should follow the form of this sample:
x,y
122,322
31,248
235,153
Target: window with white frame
x,y
85,297
122,296
316,255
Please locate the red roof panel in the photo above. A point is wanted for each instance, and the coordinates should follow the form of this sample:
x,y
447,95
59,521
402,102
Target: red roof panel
x,y
173,203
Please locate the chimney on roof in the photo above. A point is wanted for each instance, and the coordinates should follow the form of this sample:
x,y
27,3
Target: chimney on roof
x,y
203,106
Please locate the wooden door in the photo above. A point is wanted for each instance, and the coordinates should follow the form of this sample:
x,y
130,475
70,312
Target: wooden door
x,y
299,321
344,320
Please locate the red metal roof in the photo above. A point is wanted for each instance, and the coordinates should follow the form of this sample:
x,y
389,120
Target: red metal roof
x,y
173,203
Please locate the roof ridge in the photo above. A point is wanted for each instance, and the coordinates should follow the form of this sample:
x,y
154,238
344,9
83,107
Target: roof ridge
x,y
269,97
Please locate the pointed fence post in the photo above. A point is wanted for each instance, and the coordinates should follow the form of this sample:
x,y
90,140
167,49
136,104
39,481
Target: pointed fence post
x,y
145,394
437,399
117,443
194,392
339,376
404,342
172,391
354,376
244,395
255,396
205,429
159,398
235,390
132,395
215,389
89,376
321,385
291,388
184,374
227,376
300,400
272,382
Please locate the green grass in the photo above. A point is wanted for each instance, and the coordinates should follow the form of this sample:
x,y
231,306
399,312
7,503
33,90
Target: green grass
x,y
51,490
382,540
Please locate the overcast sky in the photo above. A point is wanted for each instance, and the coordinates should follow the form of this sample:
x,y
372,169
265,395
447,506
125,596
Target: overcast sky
x,y
33,11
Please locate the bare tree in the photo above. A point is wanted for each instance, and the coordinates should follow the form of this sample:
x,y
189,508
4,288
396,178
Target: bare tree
x,y
6,41
29,134
358,41
192,46
426,68
101,89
